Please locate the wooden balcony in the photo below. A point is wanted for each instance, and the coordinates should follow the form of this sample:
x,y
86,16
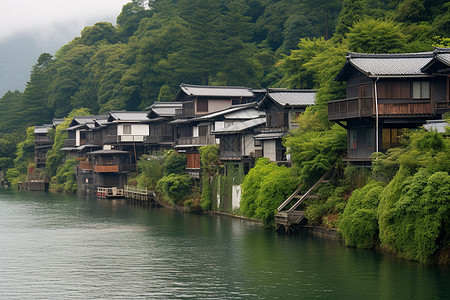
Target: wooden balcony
x,y
85,165
350,108
106,169
364,107
69,143
197,141
158,139
39,139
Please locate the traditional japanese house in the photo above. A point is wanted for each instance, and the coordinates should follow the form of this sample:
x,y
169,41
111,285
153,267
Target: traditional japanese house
x,y
162,132
199,100
199,131
237,144
43,142
121,139
387,93
282,107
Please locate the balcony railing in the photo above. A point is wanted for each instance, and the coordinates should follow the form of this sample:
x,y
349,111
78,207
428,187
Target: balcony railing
x,y
200,140
158,139
42,139
364,107
85,165
274,129
69,143
124,138
106,169
350,108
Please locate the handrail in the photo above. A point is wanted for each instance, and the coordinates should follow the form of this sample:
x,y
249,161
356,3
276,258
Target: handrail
x,y
288,199
310,190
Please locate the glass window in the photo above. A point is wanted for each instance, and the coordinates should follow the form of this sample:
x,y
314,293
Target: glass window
x,y
421,90
126,129
390,137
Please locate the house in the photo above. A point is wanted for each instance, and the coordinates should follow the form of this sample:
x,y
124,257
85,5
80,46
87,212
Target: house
x,y
282,107
196,132
162,133
199,100
107,147
43,142
387,93
237,144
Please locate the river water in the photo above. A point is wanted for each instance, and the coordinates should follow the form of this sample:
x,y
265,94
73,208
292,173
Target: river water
x,y
71,247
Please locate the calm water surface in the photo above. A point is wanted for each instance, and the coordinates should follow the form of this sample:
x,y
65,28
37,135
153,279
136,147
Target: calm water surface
x,y
64,247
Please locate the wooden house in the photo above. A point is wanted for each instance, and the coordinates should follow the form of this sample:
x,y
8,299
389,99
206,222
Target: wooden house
x,y
43,142
196,132
386,93
282,107
200,100
162,133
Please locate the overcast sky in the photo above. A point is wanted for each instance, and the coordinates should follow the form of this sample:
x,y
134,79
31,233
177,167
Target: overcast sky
x,y
31,27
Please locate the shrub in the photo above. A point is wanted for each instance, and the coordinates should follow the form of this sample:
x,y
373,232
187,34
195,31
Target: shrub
x,y
151,170
265,187
174,163
174,188
358,223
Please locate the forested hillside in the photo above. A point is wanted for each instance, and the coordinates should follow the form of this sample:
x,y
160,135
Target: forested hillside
x,y
154,48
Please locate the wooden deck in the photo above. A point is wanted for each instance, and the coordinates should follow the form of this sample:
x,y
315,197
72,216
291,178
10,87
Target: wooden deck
x,y
109,192
141,196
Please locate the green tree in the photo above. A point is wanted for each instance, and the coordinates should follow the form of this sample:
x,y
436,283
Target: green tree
x,y
376,36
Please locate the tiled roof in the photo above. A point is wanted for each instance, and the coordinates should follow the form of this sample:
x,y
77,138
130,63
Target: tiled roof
x,y
42,129
128,116
286,97
241,126
269,136
165,108
241,111
216,91
405,64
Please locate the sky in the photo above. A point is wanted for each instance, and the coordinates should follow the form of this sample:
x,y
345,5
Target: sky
x,y
29,28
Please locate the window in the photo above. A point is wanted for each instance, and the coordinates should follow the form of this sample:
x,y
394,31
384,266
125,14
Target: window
x,y
258,143
203,130
421,90
202,105
390,137
352,138
126,129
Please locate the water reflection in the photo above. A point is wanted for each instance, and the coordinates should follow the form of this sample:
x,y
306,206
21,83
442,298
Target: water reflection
x,y
60,246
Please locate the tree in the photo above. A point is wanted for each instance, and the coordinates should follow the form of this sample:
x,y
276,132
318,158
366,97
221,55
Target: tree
x,y
376,36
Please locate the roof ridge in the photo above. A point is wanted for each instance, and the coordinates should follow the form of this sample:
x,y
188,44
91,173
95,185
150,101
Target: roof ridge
x,y
390,55
215,86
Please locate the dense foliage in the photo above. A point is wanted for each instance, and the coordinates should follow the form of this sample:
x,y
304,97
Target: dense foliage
x,y
153,49
264,188
175,188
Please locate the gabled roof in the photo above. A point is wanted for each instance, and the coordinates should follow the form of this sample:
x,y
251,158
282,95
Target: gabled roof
x,y
291,97
81,120
215,91
441,60
385,65
127,116
241,126
241,111
164,109
44,129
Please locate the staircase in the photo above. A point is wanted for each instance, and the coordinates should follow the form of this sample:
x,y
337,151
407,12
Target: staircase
x,y
290,218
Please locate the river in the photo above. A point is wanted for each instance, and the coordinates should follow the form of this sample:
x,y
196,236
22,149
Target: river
x,y
71,247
